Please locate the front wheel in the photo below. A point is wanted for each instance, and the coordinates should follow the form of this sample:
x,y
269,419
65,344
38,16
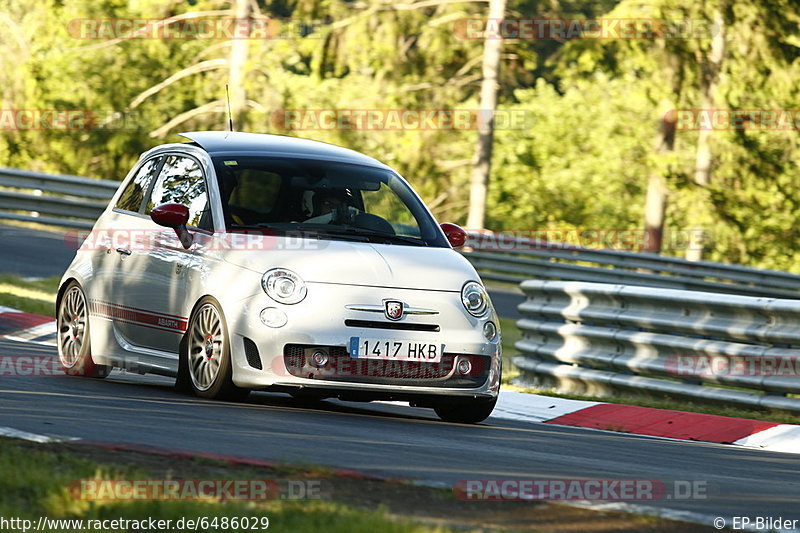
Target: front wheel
x,y
74,346
206,354
465,411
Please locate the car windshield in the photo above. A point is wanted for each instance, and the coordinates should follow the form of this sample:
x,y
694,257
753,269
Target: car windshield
x,y
328,200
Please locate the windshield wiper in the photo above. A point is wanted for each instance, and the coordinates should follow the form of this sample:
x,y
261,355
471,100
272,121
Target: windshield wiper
x,y
258,225
362,232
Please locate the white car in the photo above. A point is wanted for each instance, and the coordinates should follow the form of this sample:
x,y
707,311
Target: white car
x,y
242,261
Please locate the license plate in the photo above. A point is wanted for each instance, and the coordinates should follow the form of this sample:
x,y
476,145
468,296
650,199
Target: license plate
x,y
393,350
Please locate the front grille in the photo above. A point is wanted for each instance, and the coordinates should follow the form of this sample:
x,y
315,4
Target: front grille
x,y
251,354
376,324
296,350
341,367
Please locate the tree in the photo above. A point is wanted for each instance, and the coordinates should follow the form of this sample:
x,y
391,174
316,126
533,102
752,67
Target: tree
x,y
492,47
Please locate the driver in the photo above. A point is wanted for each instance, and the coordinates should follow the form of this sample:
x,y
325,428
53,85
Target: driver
x,y
330,205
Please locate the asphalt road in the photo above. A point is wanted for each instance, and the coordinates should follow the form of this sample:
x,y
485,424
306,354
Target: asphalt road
x,y
35,253
395,440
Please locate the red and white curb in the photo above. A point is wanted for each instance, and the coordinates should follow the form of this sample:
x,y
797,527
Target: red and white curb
x,y
28,327
665,423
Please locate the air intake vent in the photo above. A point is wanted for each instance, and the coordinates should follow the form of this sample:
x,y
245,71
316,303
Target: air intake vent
x,y
251,353
375,324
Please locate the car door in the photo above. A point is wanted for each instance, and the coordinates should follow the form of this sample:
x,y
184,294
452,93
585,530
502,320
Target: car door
x,y
109,243
156,285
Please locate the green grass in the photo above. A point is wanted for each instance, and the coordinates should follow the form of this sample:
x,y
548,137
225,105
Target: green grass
x,y
36,483
33,296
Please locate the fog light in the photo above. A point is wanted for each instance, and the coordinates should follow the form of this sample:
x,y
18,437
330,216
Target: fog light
x,y
464,367
319,358
274,318
490,331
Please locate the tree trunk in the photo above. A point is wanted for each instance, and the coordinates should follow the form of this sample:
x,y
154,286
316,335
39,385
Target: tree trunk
x,y
654,208
236,73
492,48
657,192
709,79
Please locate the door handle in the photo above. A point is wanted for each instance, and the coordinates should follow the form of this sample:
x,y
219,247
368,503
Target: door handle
x,y
123,251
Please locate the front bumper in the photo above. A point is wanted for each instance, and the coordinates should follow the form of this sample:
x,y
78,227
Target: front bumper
x,y
278,358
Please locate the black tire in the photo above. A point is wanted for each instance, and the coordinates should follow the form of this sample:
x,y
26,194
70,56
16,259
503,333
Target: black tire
x,y
183,382
465,411
73,336
205,357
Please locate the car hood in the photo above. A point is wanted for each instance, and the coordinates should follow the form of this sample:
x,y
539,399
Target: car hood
x,y
358,263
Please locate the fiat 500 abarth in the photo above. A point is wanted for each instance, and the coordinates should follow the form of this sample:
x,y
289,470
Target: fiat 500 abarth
x,y
242,261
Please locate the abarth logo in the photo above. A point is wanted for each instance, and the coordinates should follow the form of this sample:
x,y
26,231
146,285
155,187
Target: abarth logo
x,y
393,309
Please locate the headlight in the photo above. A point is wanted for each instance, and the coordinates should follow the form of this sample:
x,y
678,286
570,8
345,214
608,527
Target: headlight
x,y
474,298
283,285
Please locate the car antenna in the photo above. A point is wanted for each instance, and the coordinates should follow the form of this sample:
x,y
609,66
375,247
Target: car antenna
x,y
230,116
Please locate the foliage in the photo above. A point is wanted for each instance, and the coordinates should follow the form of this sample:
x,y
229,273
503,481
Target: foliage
x,y
580,160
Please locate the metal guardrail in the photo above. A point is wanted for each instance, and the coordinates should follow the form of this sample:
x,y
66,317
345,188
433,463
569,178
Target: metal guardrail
x,y
534,259
53,199
592,337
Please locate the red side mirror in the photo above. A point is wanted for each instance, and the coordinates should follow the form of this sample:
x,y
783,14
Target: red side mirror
x,y
170,215
455,235
174,216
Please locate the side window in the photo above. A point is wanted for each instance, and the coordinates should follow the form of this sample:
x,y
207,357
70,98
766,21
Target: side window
x,y
131,198
181,182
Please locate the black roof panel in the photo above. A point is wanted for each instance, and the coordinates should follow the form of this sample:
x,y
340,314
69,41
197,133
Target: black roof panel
x,y
233,143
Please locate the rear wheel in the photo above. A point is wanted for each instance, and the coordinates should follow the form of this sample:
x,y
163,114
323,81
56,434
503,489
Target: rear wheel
x,y
206,354
74,346
465,411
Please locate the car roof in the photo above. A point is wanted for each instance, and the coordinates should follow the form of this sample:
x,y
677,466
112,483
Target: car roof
x,y
241,143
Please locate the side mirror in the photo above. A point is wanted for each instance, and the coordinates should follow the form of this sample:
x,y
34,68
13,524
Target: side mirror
x,y
455,235
174,216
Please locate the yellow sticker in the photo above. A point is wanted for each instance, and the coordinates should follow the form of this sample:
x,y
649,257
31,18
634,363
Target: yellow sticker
x,y
231,163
